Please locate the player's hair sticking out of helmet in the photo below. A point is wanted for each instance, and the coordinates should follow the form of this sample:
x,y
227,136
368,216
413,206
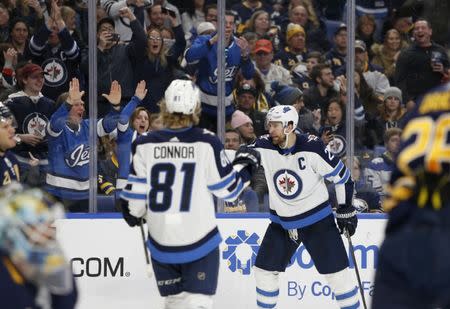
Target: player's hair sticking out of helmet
x,y
26,232
286,114
181,104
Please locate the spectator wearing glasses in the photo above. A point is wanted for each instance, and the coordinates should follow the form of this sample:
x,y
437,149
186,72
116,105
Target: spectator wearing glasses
x,y
152,62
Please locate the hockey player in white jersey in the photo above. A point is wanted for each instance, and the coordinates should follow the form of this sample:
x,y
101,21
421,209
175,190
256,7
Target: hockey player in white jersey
x,y
173,175
296,166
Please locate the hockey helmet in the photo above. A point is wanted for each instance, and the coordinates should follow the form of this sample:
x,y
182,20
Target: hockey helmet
x,y
26,232
182,96
284,114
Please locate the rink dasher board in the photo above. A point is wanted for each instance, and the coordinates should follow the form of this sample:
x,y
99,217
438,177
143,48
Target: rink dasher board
x,y
108,261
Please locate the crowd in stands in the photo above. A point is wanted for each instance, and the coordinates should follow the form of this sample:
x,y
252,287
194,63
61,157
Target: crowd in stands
x,y
278,52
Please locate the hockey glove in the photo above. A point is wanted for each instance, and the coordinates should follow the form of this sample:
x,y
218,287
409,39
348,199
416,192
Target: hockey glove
x,y
130,219
346,219
247,158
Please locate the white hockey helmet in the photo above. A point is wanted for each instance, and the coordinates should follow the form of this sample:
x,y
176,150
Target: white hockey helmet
x,y
283,114
182,96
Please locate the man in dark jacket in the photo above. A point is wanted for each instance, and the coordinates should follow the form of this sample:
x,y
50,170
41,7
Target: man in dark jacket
x,y
423,65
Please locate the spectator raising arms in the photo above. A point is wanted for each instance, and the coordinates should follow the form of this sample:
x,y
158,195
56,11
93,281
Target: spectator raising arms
x,y
57,52
204,52
68,175
152,62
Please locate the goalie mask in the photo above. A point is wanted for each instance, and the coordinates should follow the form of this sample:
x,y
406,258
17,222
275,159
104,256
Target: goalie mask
x,y
26,231
182,96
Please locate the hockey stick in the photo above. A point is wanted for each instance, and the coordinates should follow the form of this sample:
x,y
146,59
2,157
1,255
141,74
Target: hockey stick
x,y
352,251
147,257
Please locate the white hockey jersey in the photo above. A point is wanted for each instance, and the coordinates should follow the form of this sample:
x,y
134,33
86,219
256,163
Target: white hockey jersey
x,y
174,173
298,196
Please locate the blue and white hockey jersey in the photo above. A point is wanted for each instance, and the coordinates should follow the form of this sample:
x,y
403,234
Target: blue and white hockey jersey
x,y
68,170
295,178
205,56
175,174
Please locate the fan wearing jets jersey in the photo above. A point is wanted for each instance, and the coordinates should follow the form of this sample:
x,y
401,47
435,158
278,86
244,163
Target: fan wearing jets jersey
x,y
296,166
173,175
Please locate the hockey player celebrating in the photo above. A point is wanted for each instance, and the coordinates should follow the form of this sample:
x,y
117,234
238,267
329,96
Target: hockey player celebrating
x,y
414,260
173,174
296,166
33,270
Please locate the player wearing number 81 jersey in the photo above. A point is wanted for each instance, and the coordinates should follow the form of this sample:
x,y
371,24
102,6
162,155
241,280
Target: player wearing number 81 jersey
x,y
173,174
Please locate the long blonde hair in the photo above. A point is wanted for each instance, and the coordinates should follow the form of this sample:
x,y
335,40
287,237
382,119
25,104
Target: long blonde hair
x,y
177,119
161,56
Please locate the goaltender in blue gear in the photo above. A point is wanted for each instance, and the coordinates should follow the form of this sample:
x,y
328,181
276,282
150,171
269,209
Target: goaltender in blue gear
x,y
296,167
173,175
414,261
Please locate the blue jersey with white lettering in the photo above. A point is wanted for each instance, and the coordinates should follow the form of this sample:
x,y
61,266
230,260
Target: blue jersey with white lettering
x,y
298,196
175,173
68,170
205,56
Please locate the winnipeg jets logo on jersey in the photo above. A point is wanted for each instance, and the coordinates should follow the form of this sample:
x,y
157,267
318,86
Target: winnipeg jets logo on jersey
x,y
337,146
287,184
79,156
35,124
56,72
229,74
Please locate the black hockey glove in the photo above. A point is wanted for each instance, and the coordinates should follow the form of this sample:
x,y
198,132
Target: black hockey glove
x,y
346,219
130,219
247,157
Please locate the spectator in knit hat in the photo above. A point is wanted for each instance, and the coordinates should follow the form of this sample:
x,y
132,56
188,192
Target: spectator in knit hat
x,y
391,112
295,51
244,125
246,101
308,122
263,56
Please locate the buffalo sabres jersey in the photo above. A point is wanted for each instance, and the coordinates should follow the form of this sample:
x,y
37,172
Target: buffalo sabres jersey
x,y
9,169
298,196
421,176
175,174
